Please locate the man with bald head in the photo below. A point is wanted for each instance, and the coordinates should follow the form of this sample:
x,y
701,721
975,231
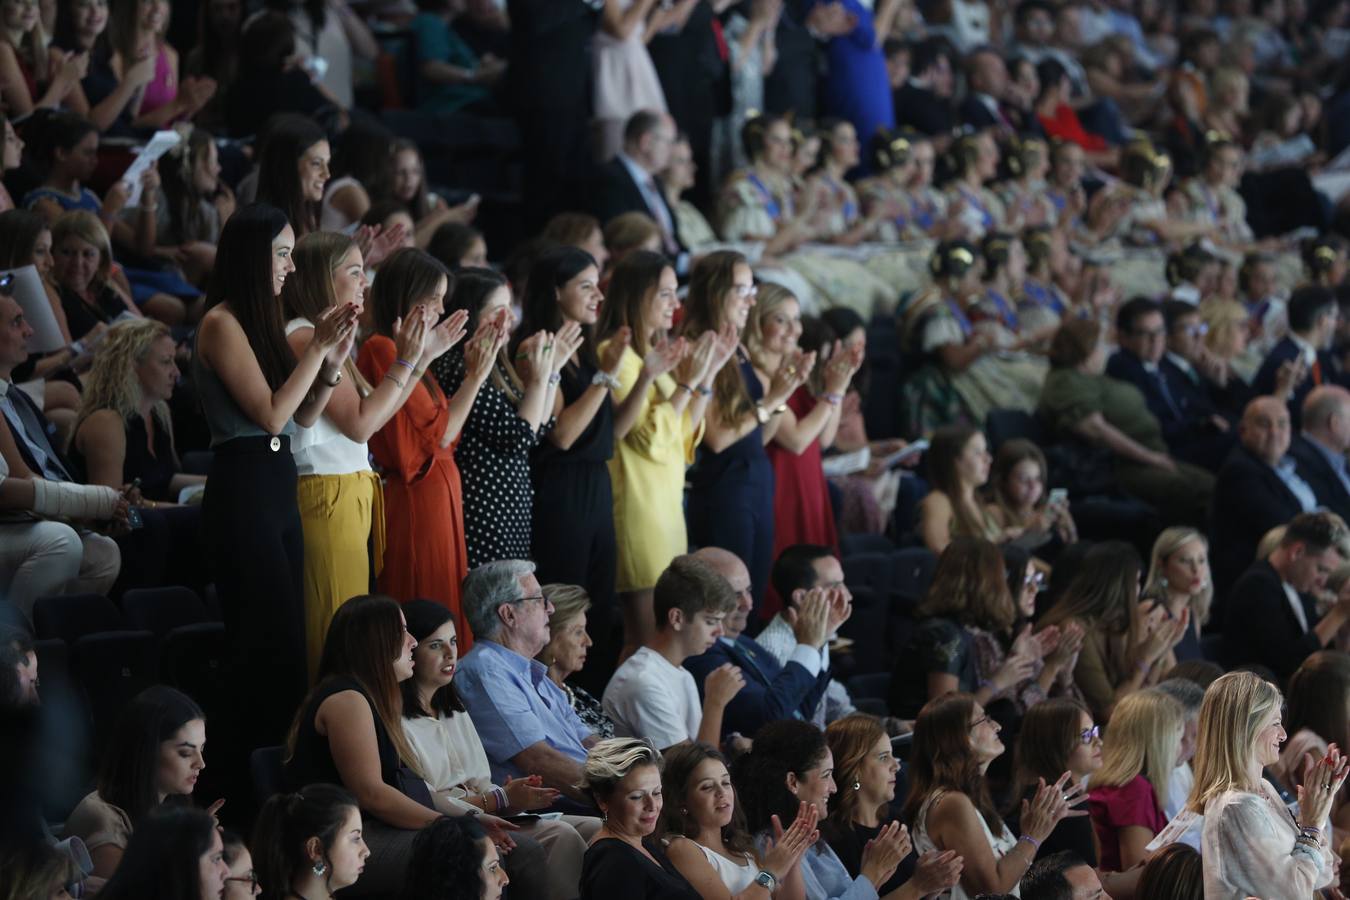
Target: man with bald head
x,y
772,690
1319,451
1258,488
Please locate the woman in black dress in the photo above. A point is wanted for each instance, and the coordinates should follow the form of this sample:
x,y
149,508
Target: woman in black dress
x,y
511,415
731,500
624,777
572,539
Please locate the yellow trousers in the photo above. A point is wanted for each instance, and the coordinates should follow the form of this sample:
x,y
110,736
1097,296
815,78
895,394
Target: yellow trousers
x,y
339,513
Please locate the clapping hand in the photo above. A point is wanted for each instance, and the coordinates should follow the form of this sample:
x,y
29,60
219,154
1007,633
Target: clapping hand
x,y
336,328
612,355
664,355
482,349
410,333
534,357
529,793
567,341
935,872
789,845
1052,804
1322,782
445,335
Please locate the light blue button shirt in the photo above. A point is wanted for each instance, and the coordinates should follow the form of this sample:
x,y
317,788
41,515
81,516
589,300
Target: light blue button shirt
x,y
514,704
1284,470
1334,459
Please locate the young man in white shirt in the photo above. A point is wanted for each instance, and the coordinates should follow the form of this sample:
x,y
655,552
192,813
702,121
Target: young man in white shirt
x,y
652,695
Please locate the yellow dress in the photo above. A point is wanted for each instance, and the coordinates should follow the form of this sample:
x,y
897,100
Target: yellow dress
x,y
647,477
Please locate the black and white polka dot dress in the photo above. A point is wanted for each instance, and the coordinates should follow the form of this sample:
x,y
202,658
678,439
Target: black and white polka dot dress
x,y
493,456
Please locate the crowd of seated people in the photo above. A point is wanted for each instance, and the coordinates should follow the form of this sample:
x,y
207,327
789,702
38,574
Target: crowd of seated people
x,y
605,448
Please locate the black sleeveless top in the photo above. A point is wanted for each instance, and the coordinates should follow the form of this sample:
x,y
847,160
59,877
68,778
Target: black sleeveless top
x,y
313,763
155,469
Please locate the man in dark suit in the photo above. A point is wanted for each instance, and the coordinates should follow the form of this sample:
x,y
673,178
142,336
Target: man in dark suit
x,y
986,84
1257,489
1192,429
1319,451
44,557
1301,360
924,102
1204,379
1271,617
627,183
772,691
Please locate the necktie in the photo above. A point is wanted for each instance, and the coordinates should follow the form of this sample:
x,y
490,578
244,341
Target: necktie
x,y
662,216
34,433
1317,372
1167,393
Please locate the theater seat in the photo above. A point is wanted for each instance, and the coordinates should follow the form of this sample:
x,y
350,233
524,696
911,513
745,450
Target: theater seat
x,y
71,616
189,645
265,767
12,616
853,544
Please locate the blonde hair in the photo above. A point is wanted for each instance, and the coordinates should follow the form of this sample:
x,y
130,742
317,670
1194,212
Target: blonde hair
x,y
1223,318
609,761
769,298
1235,710
86,226
309,292
1143,739
112,382
628,232
1169,542
569,601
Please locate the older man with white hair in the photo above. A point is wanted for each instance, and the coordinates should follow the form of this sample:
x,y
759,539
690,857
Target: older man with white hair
x,y
1319,452
525,721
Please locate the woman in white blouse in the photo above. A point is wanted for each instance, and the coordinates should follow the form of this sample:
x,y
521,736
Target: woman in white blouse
x,y
451,758
1253,845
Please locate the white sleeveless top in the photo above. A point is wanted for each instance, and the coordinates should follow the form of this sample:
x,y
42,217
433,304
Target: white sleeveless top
x,y
736,877
999,846
330,219
322,449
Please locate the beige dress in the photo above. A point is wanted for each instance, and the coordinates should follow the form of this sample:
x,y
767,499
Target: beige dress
x,y
625,82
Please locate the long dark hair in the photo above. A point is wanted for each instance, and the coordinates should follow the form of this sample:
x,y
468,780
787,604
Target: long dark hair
x,y
1049,733
286,823
451,241
243,278
424,617
710,282
447,860
1104,593
364,638
130,761
681,761
288,137
162,858
19,231
633,279
760,776
473,287
177,174
944,759
406,277
539,307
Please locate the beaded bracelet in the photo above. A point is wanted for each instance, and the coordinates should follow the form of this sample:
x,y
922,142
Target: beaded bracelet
x,y
1030,840
554,379
499,795
832,399
407,365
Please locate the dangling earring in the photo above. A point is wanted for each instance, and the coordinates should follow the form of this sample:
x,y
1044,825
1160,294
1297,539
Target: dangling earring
x,y
319,868
857,785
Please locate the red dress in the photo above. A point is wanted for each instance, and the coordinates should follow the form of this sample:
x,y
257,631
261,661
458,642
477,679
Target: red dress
x,y
1065,125
423,507
802,513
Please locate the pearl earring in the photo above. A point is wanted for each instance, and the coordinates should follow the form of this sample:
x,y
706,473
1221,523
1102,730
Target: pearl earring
x,y
857,785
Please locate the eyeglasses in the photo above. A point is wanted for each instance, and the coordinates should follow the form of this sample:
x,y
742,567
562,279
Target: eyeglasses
x,y
980,721
1200,329
1036,580
745,290
1092,734
543,601
251,879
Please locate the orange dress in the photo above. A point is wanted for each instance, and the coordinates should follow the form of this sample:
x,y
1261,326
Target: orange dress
x,y
423,506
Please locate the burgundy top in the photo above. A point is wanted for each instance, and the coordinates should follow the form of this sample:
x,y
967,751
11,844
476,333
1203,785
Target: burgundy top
x,y
1113,808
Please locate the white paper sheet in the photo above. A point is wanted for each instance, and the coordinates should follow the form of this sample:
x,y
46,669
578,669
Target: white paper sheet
x,y
37,310
161,143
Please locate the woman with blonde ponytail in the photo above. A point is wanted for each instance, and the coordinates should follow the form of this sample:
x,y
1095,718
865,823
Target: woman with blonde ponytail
x,y
341,501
